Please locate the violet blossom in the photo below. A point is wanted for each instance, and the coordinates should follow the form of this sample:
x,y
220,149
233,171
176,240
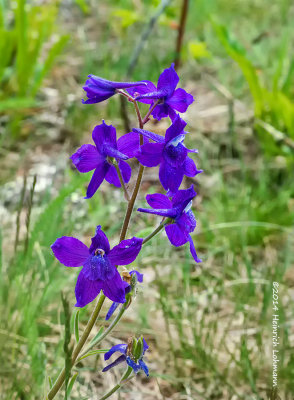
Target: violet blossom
x,y
131,354
178,209
170,153
170,98
89,157
98,89
99,265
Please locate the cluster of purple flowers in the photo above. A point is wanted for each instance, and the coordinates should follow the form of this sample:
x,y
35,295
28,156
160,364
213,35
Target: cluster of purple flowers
x,y
107,158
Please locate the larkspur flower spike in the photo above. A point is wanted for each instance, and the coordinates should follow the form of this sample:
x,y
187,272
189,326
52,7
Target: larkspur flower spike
x,y
172,100
99,265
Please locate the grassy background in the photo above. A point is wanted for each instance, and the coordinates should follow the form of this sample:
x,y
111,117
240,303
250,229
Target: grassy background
x,y
209,326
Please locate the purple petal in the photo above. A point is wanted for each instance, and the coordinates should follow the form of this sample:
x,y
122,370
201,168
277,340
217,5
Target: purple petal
x,y
129,144
126,251
150,135
175,153
111,310
193,250
98,267
99,241
102,134
168,213
95,93
142,90
132,364
190,168
86,290
112,176
156,95
168,81
98,99
145,346
176,236
150,154
119,360
162,111
70,251
183,197
176,128
180,100
139,276
170,177
104,83
187,222
97,178
111,151
122,348
86,158
126,170
114,288
144,367
158,200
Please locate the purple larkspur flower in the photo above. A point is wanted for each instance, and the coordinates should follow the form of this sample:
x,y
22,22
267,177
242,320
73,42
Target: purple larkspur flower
x,y
136,363
98,89
89,157
179,210
170,153
128,289
171,99
98,261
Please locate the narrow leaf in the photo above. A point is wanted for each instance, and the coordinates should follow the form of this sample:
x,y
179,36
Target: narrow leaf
x,y
71,383
93,352
76,325
96,338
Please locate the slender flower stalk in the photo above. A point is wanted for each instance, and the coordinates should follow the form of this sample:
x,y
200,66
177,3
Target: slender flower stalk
x,y
125,378
127,196
157,230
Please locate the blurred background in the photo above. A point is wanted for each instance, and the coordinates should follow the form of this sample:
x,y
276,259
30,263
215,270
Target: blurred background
x,y
209,326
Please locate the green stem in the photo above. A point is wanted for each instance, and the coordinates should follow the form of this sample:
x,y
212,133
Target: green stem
x,y
59,381
107,331
132,203
158,229
122,182
118,386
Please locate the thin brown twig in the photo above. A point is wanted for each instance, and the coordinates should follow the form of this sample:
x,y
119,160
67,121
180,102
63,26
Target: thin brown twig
x,y
181,32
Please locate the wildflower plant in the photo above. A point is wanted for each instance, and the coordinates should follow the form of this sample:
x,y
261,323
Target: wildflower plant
x,y
99,275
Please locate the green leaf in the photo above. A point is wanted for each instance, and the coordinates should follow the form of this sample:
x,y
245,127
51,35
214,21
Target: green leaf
x,y
76,326
71,383
50,382
198,50
83,6
55,50
93,352
66,346
17,103
238,54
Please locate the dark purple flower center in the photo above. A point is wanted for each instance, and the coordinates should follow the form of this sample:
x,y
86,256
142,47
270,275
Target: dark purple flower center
x,y
175,154
98,266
